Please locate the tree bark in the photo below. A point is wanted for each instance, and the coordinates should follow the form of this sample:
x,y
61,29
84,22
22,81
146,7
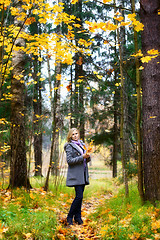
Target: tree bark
x,y
18,165
151,100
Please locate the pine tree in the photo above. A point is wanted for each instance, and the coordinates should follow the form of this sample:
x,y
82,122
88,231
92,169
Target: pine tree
x,y
150,100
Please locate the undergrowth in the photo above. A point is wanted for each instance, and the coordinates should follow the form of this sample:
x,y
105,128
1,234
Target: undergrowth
x,y
126,218
33,214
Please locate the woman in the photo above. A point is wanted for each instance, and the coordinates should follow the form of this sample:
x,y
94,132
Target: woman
x,y
77,175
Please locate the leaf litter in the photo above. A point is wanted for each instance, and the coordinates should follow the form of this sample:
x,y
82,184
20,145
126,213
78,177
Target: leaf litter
x,y
89,229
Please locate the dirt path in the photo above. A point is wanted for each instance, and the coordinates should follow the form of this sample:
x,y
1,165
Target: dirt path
x,y
89,228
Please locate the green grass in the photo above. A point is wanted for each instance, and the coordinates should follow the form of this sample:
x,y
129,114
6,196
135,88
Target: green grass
x,y
125,219
34,214
27,213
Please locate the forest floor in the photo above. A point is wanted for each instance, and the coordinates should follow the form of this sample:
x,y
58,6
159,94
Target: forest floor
x,y
106,212
87,230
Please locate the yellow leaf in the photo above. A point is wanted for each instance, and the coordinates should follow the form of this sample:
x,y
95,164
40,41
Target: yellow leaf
x,y
141,68
41,79
58,77
146,59
119,18
30,20
35,11
74,1
40,59
28,235
106,1
105,42
153,52
125,23
153,116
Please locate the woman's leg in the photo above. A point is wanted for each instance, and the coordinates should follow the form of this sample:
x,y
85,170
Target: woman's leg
x,y
75,209
79,193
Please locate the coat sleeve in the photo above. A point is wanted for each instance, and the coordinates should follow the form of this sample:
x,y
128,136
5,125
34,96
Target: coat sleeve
x,y
73,160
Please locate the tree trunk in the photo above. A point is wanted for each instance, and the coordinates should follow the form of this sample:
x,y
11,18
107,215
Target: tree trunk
x,y
76,93
115,127
151,100
125,95
1,48
56,123
71,99
55,128
122,129
81,105
124,112
115,140
37,105
79,87
57,111
57,120
18,165
138,120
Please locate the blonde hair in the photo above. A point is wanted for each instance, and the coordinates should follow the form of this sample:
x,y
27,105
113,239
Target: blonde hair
x,y
69,136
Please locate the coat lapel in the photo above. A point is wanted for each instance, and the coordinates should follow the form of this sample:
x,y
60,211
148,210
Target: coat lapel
x,y
75,147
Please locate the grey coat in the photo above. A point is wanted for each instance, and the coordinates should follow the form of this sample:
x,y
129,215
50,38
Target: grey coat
x,y
75,173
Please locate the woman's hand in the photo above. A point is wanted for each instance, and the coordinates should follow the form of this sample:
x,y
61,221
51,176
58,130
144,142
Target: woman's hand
x,y
86,155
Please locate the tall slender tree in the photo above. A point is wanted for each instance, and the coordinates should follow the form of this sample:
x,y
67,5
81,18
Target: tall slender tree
x,y
122,129
35,28
138,119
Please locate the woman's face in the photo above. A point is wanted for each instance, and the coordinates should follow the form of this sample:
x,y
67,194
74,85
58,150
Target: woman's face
x,y
75,135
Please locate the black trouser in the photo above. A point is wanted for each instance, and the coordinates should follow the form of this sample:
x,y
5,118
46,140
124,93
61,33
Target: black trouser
x,y
75,209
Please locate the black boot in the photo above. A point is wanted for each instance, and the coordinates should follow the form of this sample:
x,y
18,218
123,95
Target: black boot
x,y
69,221
78,220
